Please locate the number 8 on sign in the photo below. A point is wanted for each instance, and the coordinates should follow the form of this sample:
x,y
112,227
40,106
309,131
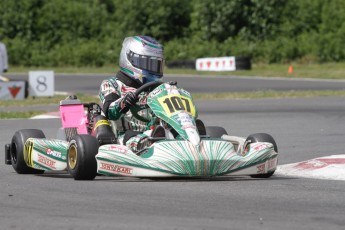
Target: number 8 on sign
x,y
41,83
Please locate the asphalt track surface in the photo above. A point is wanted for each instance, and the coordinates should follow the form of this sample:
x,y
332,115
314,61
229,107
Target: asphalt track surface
x,y
303,128
89,83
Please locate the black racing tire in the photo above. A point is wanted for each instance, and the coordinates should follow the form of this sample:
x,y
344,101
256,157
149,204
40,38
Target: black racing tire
x,y
17,150
262,137
215,131
81,161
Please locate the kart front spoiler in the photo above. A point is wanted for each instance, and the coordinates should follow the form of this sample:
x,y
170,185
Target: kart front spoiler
x,y
181,159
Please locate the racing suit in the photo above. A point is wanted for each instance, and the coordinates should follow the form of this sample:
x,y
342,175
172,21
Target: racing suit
x,y
128,128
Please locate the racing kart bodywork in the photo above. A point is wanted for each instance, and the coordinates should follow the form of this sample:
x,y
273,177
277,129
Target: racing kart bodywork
x,y
88,144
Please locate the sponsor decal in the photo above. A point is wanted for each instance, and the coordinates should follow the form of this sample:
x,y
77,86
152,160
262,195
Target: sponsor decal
x,y
186,121
118,148
117,168
55,153
155,92
260,168
184,118
188,126
46,161
272,163
261,147
185,92
14,90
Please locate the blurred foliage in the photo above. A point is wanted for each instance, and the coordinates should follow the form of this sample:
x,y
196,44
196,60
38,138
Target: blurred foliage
x,y
90,32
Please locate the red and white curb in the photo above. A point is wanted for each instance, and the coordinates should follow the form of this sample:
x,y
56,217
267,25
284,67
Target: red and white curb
x,y
329,168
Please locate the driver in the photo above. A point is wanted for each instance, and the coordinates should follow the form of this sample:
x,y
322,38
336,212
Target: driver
x,y
141,61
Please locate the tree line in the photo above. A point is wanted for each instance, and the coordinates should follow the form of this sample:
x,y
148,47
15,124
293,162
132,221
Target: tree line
x,y
90,32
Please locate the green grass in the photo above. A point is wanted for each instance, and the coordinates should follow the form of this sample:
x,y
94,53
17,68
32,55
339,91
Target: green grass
x,y
17,115
47,100
270,94
319,71
198,96
314,70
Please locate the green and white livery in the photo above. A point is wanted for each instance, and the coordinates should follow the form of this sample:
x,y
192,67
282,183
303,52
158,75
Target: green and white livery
x,y
87,146
188,154
181,158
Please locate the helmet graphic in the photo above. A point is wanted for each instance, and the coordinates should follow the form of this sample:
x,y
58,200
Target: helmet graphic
x,y
142,58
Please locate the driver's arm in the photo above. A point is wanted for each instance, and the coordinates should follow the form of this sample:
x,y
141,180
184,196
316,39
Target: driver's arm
x,y
115,105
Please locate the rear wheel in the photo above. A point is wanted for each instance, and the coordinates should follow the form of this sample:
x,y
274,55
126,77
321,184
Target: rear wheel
x,y
215,131
81,161
17,150
261,137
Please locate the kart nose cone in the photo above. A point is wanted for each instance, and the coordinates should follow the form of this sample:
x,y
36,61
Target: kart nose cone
x,y
193,136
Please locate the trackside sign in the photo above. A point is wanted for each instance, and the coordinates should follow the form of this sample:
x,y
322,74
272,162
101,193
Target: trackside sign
x,y
216,64
12,90
41,83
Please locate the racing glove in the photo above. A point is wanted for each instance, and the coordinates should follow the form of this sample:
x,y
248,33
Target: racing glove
x,y
110,98
128,101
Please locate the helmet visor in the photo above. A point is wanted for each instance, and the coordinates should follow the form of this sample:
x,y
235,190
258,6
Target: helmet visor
x,y
153,65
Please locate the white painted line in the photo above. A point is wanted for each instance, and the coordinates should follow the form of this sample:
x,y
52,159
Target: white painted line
x,y
329,168
61,93
50,115
44,116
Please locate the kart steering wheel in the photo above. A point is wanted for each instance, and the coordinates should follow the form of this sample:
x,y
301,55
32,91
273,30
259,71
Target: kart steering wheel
x,y
144,88
147,87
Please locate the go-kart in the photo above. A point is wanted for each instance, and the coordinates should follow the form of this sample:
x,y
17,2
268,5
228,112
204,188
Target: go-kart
x,y
87,144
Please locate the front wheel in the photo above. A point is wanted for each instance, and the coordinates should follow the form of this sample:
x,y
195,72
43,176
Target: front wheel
x,y
261,137
17,150
215,131
81,161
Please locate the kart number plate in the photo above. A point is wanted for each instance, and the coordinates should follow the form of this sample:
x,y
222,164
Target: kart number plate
x,y
173,103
